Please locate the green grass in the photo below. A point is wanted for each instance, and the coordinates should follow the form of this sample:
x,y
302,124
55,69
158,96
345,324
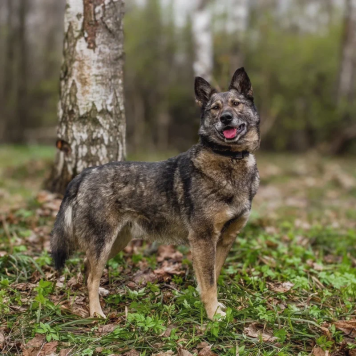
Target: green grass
x,y
318,258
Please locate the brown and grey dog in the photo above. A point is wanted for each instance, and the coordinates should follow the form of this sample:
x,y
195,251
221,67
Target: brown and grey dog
x,y
201,197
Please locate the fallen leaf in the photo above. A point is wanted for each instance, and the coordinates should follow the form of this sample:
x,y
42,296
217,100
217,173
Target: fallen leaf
x,y
281,287
206,351
166,353
347,326
132,353
202,344
256,331
65,352
167,332
2,339
49,349
106,329
318,351
143,277
169,268
168,252
182,352
37,341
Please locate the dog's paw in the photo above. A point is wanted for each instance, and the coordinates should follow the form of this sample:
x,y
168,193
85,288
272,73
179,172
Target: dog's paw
x,y
98,314
220,311
222,306
217,312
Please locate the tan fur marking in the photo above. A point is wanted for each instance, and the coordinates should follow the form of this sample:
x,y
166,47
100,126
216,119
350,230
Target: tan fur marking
x,y
226,241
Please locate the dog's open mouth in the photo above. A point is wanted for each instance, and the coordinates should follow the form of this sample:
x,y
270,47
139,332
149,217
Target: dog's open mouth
x,y
231,132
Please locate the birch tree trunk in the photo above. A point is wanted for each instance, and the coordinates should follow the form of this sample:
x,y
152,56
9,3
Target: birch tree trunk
x,y
203,63
91,129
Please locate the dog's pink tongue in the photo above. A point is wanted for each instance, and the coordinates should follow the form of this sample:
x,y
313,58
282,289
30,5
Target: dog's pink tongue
x,y
230,133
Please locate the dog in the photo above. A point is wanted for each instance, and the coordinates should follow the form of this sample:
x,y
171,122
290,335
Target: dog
x,y
201,197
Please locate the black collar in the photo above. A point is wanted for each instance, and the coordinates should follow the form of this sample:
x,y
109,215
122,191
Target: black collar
x,y
232,154
222,150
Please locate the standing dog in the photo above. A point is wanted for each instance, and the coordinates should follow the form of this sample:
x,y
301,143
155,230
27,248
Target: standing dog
x,y
201,197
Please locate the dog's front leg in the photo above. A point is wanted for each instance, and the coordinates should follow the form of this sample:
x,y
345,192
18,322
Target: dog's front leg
x,y
204,257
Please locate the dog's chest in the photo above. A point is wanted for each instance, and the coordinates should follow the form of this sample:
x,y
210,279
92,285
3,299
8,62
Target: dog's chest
x,y
231,180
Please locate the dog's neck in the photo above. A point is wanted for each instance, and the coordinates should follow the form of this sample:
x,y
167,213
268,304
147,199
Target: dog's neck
x,y
222,150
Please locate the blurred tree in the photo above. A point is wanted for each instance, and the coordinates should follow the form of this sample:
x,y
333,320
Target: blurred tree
x,y
346,92
203,64
91,115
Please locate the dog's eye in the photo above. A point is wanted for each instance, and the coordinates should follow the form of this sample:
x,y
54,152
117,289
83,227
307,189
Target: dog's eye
x,y
235,103
216,107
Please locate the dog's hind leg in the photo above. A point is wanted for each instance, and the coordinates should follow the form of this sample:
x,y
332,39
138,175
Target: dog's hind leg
x,y
95,266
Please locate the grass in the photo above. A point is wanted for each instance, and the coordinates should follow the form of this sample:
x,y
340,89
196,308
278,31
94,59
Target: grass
x,y
288,281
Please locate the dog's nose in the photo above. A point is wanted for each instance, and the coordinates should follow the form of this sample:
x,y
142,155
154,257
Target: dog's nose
x,y
226,118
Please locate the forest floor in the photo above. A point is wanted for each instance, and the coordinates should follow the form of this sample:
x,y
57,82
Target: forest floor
x,y
289,283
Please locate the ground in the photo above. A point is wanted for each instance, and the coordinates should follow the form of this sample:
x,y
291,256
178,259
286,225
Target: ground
x,y
289,283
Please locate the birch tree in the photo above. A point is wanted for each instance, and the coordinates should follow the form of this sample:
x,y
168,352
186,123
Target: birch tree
x,y
202,30
91,128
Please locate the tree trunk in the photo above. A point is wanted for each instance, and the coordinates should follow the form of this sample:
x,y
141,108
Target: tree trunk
x,y
203,64
346,81
91,128
21,120
8,86
346,85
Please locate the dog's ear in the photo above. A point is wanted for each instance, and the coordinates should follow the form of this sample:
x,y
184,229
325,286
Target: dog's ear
x,y
241,83
203,91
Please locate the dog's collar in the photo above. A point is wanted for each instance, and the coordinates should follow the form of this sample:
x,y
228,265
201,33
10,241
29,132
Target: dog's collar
x,y
222,151
232,154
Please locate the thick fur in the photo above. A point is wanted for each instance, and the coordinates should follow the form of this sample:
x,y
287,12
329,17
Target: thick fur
x,y
201,197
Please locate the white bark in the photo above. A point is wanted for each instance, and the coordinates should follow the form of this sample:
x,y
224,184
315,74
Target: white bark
x,y
91,116
202,31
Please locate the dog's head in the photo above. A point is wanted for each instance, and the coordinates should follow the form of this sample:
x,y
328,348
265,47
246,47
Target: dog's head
x,y
229,119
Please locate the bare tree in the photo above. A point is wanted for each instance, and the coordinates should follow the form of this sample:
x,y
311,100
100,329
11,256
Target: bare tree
x,y
91,128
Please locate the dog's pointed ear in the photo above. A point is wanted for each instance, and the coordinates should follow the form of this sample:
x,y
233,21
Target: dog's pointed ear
x,y
203,91
241,83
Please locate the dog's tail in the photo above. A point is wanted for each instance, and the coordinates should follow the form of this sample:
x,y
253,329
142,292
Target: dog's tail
x,y
62,239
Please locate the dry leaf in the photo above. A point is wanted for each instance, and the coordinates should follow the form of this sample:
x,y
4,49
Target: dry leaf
x,y
167,332
281,287
166,353
65,352
106,329
143,277
169,268
256,331
132,353
347,326
318,351
49,349
2,339
202,344
37,341
168,252
206,351
182,352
